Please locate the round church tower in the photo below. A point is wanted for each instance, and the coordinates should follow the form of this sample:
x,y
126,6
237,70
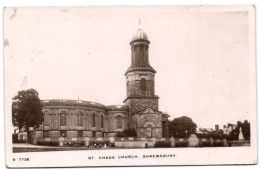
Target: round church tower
x,y
140,77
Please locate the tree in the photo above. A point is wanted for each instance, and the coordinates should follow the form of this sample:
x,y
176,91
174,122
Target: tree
x,y
182,127
234,134
246,130
27,111
217,134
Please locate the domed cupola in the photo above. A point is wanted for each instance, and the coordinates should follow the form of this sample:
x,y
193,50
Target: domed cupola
x,y
139,35
140,53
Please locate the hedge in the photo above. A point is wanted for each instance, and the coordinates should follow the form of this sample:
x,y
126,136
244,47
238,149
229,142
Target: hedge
x,y
162,144
181,144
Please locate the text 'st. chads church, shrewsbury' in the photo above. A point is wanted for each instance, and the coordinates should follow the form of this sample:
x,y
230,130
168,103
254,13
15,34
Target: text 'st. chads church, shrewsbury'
x,y
76,118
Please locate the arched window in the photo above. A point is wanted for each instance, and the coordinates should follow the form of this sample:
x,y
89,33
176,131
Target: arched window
x,y
63,119
46,118
102,121
149,131
119,122
80,119
128,87
93,120
143,85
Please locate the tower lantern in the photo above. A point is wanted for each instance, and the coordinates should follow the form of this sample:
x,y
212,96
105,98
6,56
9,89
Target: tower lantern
x,y
140,47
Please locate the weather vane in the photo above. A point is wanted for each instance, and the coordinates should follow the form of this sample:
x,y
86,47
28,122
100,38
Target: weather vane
x,y
139,23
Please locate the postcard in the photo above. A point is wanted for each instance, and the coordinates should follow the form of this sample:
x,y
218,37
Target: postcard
x,y
130,86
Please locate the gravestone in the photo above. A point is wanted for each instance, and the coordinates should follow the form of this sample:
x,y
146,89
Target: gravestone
x,y
111,139
86,141
193,140
61,139
172,141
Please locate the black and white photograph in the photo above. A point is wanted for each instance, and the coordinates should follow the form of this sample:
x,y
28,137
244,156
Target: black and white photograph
x,y
130,85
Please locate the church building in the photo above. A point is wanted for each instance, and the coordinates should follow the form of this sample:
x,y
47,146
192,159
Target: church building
x,y
77,118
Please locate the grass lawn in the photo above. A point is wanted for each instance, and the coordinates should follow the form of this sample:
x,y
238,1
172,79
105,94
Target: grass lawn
x,y
40,149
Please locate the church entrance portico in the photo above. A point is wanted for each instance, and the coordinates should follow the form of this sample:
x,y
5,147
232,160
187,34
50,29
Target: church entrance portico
x,y
149,129
148,122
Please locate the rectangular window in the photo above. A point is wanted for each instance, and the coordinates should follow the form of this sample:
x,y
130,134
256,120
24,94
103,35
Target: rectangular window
x,y
80,133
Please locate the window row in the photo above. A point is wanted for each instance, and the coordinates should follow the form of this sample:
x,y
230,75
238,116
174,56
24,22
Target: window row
x,y
63,120
46,134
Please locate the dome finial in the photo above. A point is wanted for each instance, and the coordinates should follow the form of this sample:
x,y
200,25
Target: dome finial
x,y
139,23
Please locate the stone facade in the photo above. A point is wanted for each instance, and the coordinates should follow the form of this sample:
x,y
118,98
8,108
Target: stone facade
x,y
148,123
78,119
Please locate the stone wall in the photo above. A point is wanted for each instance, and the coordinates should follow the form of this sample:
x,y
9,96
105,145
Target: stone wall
x,y
134,144
54,134
148,123
136,105
52,118
112,120
87,133
72,134
133,81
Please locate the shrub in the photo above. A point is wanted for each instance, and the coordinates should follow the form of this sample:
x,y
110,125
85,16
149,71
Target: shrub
x,y
218,144
205,144
162,144
15,139
119,135
112,144
181,144
127,133
44,143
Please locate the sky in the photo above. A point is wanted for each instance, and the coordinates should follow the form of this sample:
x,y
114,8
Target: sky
x,y
201,56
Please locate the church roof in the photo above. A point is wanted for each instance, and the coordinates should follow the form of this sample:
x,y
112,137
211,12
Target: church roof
x,y
117,108
81,103
63,102
140,34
